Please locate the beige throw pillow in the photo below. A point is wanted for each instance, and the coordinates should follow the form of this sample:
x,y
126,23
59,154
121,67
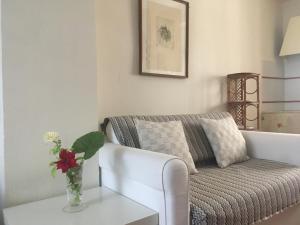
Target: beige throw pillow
x,y
227,142
165,137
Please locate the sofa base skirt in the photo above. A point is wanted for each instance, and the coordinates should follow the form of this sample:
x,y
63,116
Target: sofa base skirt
x,y
290,216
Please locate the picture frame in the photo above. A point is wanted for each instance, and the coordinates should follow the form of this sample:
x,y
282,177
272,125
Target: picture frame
x,y
164,38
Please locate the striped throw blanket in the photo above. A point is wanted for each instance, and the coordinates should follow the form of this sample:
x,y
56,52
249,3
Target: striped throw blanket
x,y
241,194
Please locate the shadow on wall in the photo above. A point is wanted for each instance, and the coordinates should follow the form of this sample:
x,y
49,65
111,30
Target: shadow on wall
x,y
135,23
219,94
1,201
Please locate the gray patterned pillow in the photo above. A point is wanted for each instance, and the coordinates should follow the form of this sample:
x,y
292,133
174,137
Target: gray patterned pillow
x,y
227,142
165,137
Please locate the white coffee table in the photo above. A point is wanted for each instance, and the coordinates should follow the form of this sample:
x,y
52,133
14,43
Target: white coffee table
x,y
104,208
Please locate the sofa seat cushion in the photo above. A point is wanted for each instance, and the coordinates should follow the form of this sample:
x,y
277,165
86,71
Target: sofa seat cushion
x,y
243,193
199,146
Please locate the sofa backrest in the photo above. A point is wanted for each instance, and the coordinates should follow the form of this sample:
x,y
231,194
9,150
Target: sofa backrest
x,y
201,151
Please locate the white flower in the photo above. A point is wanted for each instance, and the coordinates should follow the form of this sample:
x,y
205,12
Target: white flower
x,y
51,136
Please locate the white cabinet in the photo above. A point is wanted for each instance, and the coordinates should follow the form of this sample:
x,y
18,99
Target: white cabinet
x,y
282,122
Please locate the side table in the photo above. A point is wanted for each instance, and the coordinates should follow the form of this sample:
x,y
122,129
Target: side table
x,y
104,207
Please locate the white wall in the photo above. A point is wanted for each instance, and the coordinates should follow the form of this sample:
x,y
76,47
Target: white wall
x,y
291,8
225,37
49,64
2,174
292,90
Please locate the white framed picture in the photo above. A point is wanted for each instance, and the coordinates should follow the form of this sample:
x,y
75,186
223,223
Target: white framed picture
x,y
164,34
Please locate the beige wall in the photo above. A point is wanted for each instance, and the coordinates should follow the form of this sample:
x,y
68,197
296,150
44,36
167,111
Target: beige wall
x,y
291,8
225,37
1,130
49,84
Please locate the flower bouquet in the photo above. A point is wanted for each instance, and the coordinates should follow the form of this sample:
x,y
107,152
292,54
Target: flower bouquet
x,y
70,162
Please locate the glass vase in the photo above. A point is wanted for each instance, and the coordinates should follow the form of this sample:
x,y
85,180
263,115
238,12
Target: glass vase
x,y
74,190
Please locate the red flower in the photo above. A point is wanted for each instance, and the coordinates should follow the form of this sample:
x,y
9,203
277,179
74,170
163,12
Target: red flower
x,y
67,160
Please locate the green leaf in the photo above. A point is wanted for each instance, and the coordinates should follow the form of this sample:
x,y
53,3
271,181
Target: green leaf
x,y
89,144
53,171
55,150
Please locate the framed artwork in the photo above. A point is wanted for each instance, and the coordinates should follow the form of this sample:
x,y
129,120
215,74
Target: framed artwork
x,y
164,35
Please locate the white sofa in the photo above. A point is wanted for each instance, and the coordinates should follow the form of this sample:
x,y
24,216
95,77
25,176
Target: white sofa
x,y
160,181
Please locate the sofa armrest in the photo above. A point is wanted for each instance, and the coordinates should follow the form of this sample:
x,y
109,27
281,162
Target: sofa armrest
x,y
273,146
156,180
